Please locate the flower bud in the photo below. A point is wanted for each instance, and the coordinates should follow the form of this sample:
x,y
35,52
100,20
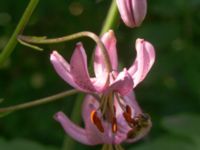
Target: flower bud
x,y
132,12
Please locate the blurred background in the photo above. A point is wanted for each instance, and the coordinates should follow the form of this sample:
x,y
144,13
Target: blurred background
x,y
170,93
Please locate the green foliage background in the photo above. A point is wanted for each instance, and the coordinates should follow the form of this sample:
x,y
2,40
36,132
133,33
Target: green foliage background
x,y
170,93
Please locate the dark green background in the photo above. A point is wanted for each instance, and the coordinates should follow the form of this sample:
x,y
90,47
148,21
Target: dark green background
x,y
170,93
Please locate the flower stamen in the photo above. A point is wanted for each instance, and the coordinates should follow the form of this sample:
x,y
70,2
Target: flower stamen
x,y
114,125
120,103
111,105
96,121
128,110
129,119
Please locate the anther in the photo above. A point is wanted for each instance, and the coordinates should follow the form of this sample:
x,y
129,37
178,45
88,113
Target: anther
x,y
128,118
114,125
96,121
128,110
114,108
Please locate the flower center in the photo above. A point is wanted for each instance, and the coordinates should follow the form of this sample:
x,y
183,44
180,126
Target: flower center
x,y
107,112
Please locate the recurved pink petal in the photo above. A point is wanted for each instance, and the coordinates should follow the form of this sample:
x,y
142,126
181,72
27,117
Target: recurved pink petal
x,y
144,60
123,84
109,40
62,68
100,83
77,133
79,70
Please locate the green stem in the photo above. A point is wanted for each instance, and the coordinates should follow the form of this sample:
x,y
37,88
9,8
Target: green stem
x,y
105,147
111,18
118,147
38,101
110,22
6,52
68,143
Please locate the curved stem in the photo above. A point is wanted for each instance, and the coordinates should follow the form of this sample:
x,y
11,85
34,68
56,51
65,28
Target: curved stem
x,y
35,40
38,101
6,52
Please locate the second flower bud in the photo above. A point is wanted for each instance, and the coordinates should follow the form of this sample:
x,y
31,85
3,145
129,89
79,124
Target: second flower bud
x,y
132,12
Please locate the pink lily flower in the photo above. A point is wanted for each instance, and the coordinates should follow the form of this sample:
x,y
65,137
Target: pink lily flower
x,y
132,124
132,12
112,114
76,72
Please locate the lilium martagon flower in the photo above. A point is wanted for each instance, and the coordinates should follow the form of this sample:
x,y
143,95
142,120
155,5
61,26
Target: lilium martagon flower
x,y
112,96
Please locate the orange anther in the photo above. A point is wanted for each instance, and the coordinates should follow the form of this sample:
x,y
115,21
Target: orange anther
x,y
96,121
92,115
114,125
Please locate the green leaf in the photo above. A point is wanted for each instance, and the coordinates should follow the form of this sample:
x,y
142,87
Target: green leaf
x,y
22,144
183,124
167,143
184,127
1,100
3,114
